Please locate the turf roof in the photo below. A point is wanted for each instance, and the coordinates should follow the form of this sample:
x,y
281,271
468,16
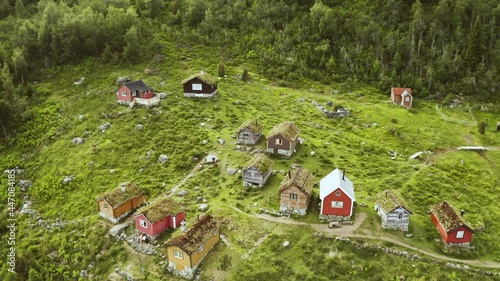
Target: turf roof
x,y
253,125
202,76
157,212
287,129
389,201
118,197
448,217
261,162
301,178
196,236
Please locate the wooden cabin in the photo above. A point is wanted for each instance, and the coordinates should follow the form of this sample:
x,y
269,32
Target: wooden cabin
x,y
402,97
249,132
257,171
452,227
295,191
393,211
185,252
337,196
121,201
200,85
283,139
159,217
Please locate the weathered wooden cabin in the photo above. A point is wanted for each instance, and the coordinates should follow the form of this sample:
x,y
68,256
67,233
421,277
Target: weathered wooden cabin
x,y
283,139
200,85
295,191
257,171
452,227
393,211
249,132
185,252
118,203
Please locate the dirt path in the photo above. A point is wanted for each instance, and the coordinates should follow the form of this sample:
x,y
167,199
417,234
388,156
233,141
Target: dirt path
x,y
348,231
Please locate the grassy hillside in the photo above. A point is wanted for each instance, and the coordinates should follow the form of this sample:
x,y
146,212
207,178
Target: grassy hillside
x,y
359,144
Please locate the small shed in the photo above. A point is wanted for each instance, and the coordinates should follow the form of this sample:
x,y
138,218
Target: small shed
x,y
257,171
157,218
185,252
283,139
393,211
119,202
453,228
402,96
295,191
200,85
249,132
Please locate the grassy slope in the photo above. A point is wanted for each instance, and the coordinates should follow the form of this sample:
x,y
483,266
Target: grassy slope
x,y
468,180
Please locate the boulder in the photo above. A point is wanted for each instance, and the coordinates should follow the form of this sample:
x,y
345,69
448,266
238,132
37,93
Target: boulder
x,y
139,127
77,141
104,127
329,103
203,207
313,153
211,159
67,179
221,141
182,193
80,117
231,171
409,235
117,229
163,158
25,184
161,95
286,244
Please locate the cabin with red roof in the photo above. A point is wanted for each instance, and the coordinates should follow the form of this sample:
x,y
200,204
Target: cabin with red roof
x,y
402,96
132,90
452,227
295,191
157,218
336,192
185,252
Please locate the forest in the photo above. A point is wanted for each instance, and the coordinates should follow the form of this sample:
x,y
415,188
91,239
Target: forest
x,y
441,49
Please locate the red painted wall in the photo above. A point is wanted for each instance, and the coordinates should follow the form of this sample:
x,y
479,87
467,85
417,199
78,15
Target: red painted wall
x,y
452,236
147,95
119,96
159,226
327,204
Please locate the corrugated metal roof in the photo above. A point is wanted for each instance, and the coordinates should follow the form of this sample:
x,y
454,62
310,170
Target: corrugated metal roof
x,y
333,181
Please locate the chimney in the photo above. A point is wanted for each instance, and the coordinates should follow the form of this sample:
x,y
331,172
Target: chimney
x,y
289,174
123,187
343,176
462,212
202,72
198,218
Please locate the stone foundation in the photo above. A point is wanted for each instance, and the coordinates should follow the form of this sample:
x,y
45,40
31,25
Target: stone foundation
x,y
334,218
298,211
187,272
402,227
199,95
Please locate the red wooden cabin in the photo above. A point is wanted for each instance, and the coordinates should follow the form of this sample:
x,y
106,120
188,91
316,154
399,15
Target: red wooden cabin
x,y
336,192
451,226
131,90
159,217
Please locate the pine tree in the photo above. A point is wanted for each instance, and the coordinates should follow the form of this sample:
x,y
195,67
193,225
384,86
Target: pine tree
x,y
245,76
222,70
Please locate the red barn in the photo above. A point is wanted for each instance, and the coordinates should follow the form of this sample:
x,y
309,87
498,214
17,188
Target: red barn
x,y
451,226
131,90
159,217
336,192
402,96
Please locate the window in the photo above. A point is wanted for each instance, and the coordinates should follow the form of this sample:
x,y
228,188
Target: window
x,y
460,234
143,223
124,93
178,254
201,248
278,142
337,204
133,94
337,193
293,196
400,216
246,135
196,87
407,98
105,206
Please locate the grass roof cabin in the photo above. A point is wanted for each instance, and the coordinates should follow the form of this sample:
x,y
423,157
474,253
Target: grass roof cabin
x,y
159,217
257,171
393,210
119,202
200,85
249,132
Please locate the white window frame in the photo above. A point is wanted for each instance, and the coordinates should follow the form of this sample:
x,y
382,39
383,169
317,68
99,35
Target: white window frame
x,y
338,193
294,196
460,234
124,93
196,87
143,223
278,142
105,205
133,94
201,248
178,254
337,204
407,98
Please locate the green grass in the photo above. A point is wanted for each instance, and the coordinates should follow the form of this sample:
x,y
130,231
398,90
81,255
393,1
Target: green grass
x,y
355,144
